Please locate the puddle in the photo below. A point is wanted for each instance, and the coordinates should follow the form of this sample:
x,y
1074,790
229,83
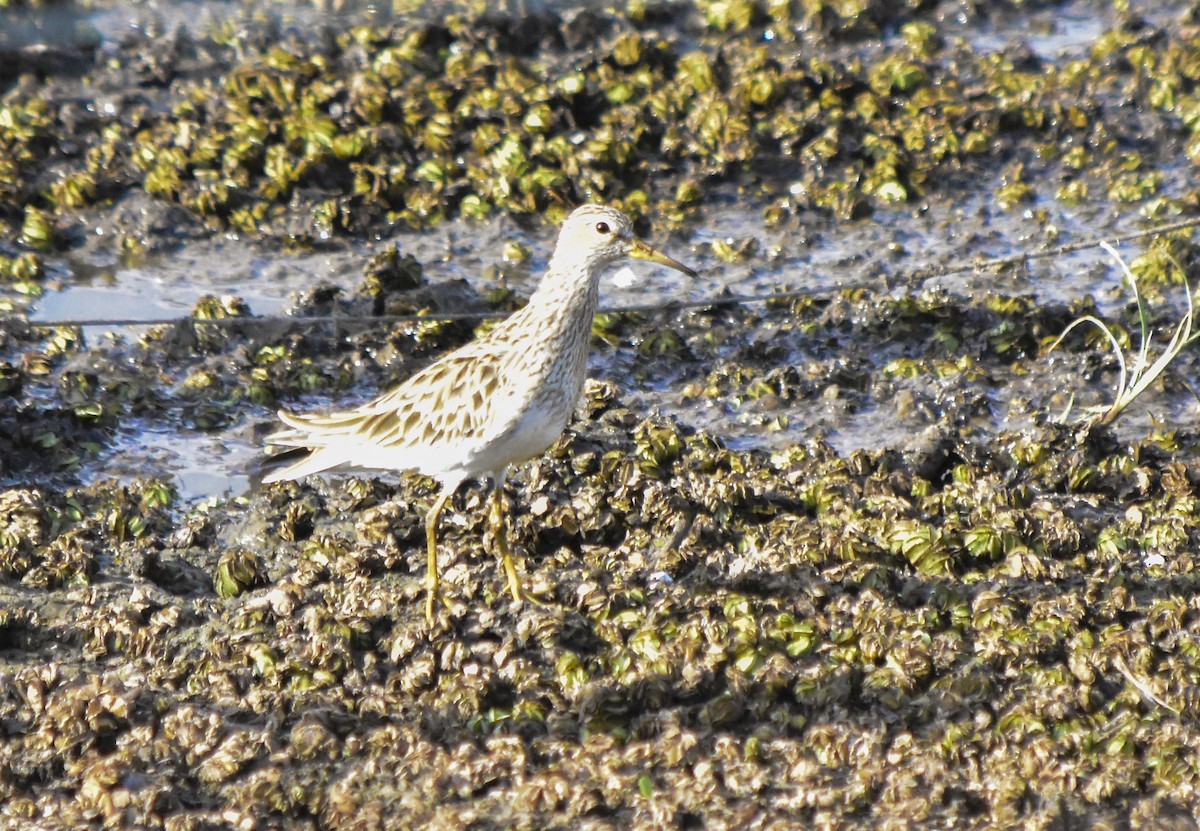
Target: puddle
x,y
167,287
85,24
89,25
201,465
1065,31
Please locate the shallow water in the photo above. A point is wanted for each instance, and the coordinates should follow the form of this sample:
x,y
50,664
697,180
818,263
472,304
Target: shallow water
x,y
167,286
1066,31
809,253
889,243
200,465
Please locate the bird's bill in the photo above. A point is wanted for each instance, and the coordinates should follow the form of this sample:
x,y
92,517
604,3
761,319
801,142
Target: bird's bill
x,y
640,251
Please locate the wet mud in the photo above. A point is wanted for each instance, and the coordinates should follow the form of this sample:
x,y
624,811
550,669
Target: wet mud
x,y
857,557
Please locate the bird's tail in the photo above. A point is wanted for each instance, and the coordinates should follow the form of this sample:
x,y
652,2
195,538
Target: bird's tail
x,y
306,453
298,463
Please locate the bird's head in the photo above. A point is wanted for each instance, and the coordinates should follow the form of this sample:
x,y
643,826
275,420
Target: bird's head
x,y
601,235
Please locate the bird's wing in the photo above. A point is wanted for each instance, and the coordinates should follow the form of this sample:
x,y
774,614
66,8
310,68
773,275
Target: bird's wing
x,y
441,404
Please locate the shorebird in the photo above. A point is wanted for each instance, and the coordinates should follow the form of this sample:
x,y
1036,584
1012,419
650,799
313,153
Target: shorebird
x,y
499,400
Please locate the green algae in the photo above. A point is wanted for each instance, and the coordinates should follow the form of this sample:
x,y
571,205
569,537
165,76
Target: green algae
x,y
1011,634
416,122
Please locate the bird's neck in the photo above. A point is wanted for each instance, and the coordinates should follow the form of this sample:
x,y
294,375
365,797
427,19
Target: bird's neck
x,y
561,312
569,291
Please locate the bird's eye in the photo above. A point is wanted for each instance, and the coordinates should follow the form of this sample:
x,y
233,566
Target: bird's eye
x,y
602,227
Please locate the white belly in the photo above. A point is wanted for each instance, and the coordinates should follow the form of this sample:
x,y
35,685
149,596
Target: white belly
x,y
527,433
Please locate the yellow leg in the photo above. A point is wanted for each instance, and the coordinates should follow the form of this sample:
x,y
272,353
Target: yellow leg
x,y
431,567
500,534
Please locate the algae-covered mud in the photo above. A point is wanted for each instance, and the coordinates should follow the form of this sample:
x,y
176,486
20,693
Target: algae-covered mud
x,y
859,556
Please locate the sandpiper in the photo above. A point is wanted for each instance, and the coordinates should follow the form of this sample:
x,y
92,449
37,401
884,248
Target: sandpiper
x,y
500,400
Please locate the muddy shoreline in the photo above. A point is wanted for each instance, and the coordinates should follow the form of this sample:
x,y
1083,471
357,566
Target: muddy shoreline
x,y
836,561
